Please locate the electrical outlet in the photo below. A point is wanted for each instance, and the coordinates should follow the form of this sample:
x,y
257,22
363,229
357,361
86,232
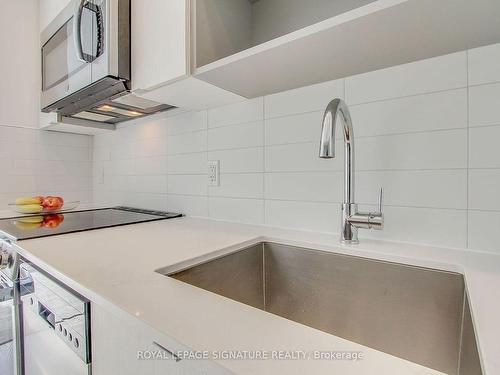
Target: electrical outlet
x,y
213,173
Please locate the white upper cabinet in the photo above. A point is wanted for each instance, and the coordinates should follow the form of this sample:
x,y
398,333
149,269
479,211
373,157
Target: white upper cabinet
x,y
197,54
159,42
259,47
161,56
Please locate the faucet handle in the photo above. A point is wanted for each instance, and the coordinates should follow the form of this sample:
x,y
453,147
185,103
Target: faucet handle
x,y
377,218
380,200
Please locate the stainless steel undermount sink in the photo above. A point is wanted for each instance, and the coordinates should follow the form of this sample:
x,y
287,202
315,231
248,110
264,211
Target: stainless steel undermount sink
x,y
415,313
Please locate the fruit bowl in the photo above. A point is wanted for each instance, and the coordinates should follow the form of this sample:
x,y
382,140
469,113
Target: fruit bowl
x,y
39,209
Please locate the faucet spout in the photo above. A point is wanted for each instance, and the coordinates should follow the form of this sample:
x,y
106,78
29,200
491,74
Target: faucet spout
x,y
352,219
327,143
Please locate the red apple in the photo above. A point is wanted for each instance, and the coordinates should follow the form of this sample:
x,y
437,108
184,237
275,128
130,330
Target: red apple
x,y
51,203
53,220
39,198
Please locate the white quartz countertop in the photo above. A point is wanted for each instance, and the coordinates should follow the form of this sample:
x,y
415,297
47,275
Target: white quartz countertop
x,y
115,267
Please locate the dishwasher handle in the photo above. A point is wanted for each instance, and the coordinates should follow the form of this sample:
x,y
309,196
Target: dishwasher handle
x,y
171,353
47,315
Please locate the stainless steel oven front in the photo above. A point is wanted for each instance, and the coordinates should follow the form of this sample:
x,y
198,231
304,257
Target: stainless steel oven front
x,y
10,325
87,44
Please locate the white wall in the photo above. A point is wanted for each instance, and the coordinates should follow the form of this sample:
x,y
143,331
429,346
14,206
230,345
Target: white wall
x,y
33,162
19,63
426,131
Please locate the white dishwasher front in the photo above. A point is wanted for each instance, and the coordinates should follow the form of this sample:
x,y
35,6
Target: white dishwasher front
x,y
55,325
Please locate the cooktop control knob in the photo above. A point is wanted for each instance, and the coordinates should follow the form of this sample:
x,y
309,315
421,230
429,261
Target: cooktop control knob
x,y
4,259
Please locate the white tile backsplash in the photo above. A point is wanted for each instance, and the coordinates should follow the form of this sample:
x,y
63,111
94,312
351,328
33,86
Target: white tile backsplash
x,y
150,165
187,122
195,163
237,136
484,192
483,64
430,150
293,129
425,225
304,186
300,157
238,113
246,185
306,99
187,184
245,160
484,105
436,111
187,143
421,133
312,216
414,188
483,230
484,149
188,204
44,163
436,74
235,209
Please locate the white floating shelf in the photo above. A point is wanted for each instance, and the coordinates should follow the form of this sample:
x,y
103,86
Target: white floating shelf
x,y
51,122
381,34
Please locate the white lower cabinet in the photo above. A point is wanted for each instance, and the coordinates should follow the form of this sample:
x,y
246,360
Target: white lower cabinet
x,y
122,346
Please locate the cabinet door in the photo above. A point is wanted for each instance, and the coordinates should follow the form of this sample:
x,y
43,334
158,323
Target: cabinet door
x,y
116,345
167,365
129,347
159,38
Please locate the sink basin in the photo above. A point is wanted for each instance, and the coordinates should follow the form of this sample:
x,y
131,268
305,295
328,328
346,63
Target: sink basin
x,y
415,313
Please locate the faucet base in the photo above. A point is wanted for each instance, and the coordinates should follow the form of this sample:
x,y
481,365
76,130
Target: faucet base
x,y
348,232
352,220
349,242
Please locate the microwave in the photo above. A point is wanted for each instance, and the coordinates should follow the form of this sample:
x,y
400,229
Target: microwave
x,y
85,56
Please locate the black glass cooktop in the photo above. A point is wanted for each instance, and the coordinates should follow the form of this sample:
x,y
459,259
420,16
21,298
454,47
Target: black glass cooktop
x,y
28,227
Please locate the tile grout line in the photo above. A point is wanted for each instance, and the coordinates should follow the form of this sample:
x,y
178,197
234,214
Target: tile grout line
x,y
482,83
467,245
374,204
395,98
362,137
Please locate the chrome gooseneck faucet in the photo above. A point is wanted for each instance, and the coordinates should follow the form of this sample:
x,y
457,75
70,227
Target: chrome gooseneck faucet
x,y
351,218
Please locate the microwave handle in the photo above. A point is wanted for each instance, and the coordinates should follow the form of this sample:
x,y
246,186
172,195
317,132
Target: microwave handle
x,y
77,30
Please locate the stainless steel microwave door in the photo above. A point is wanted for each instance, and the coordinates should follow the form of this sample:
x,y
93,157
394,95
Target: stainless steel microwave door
x,y
59,58
63,72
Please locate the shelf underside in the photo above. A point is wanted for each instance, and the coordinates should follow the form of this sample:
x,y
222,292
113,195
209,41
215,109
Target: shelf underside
x,y
379,35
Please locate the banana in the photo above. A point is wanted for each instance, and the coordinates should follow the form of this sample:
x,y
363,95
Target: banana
x,y
27,200
27,226
29,208
31,219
